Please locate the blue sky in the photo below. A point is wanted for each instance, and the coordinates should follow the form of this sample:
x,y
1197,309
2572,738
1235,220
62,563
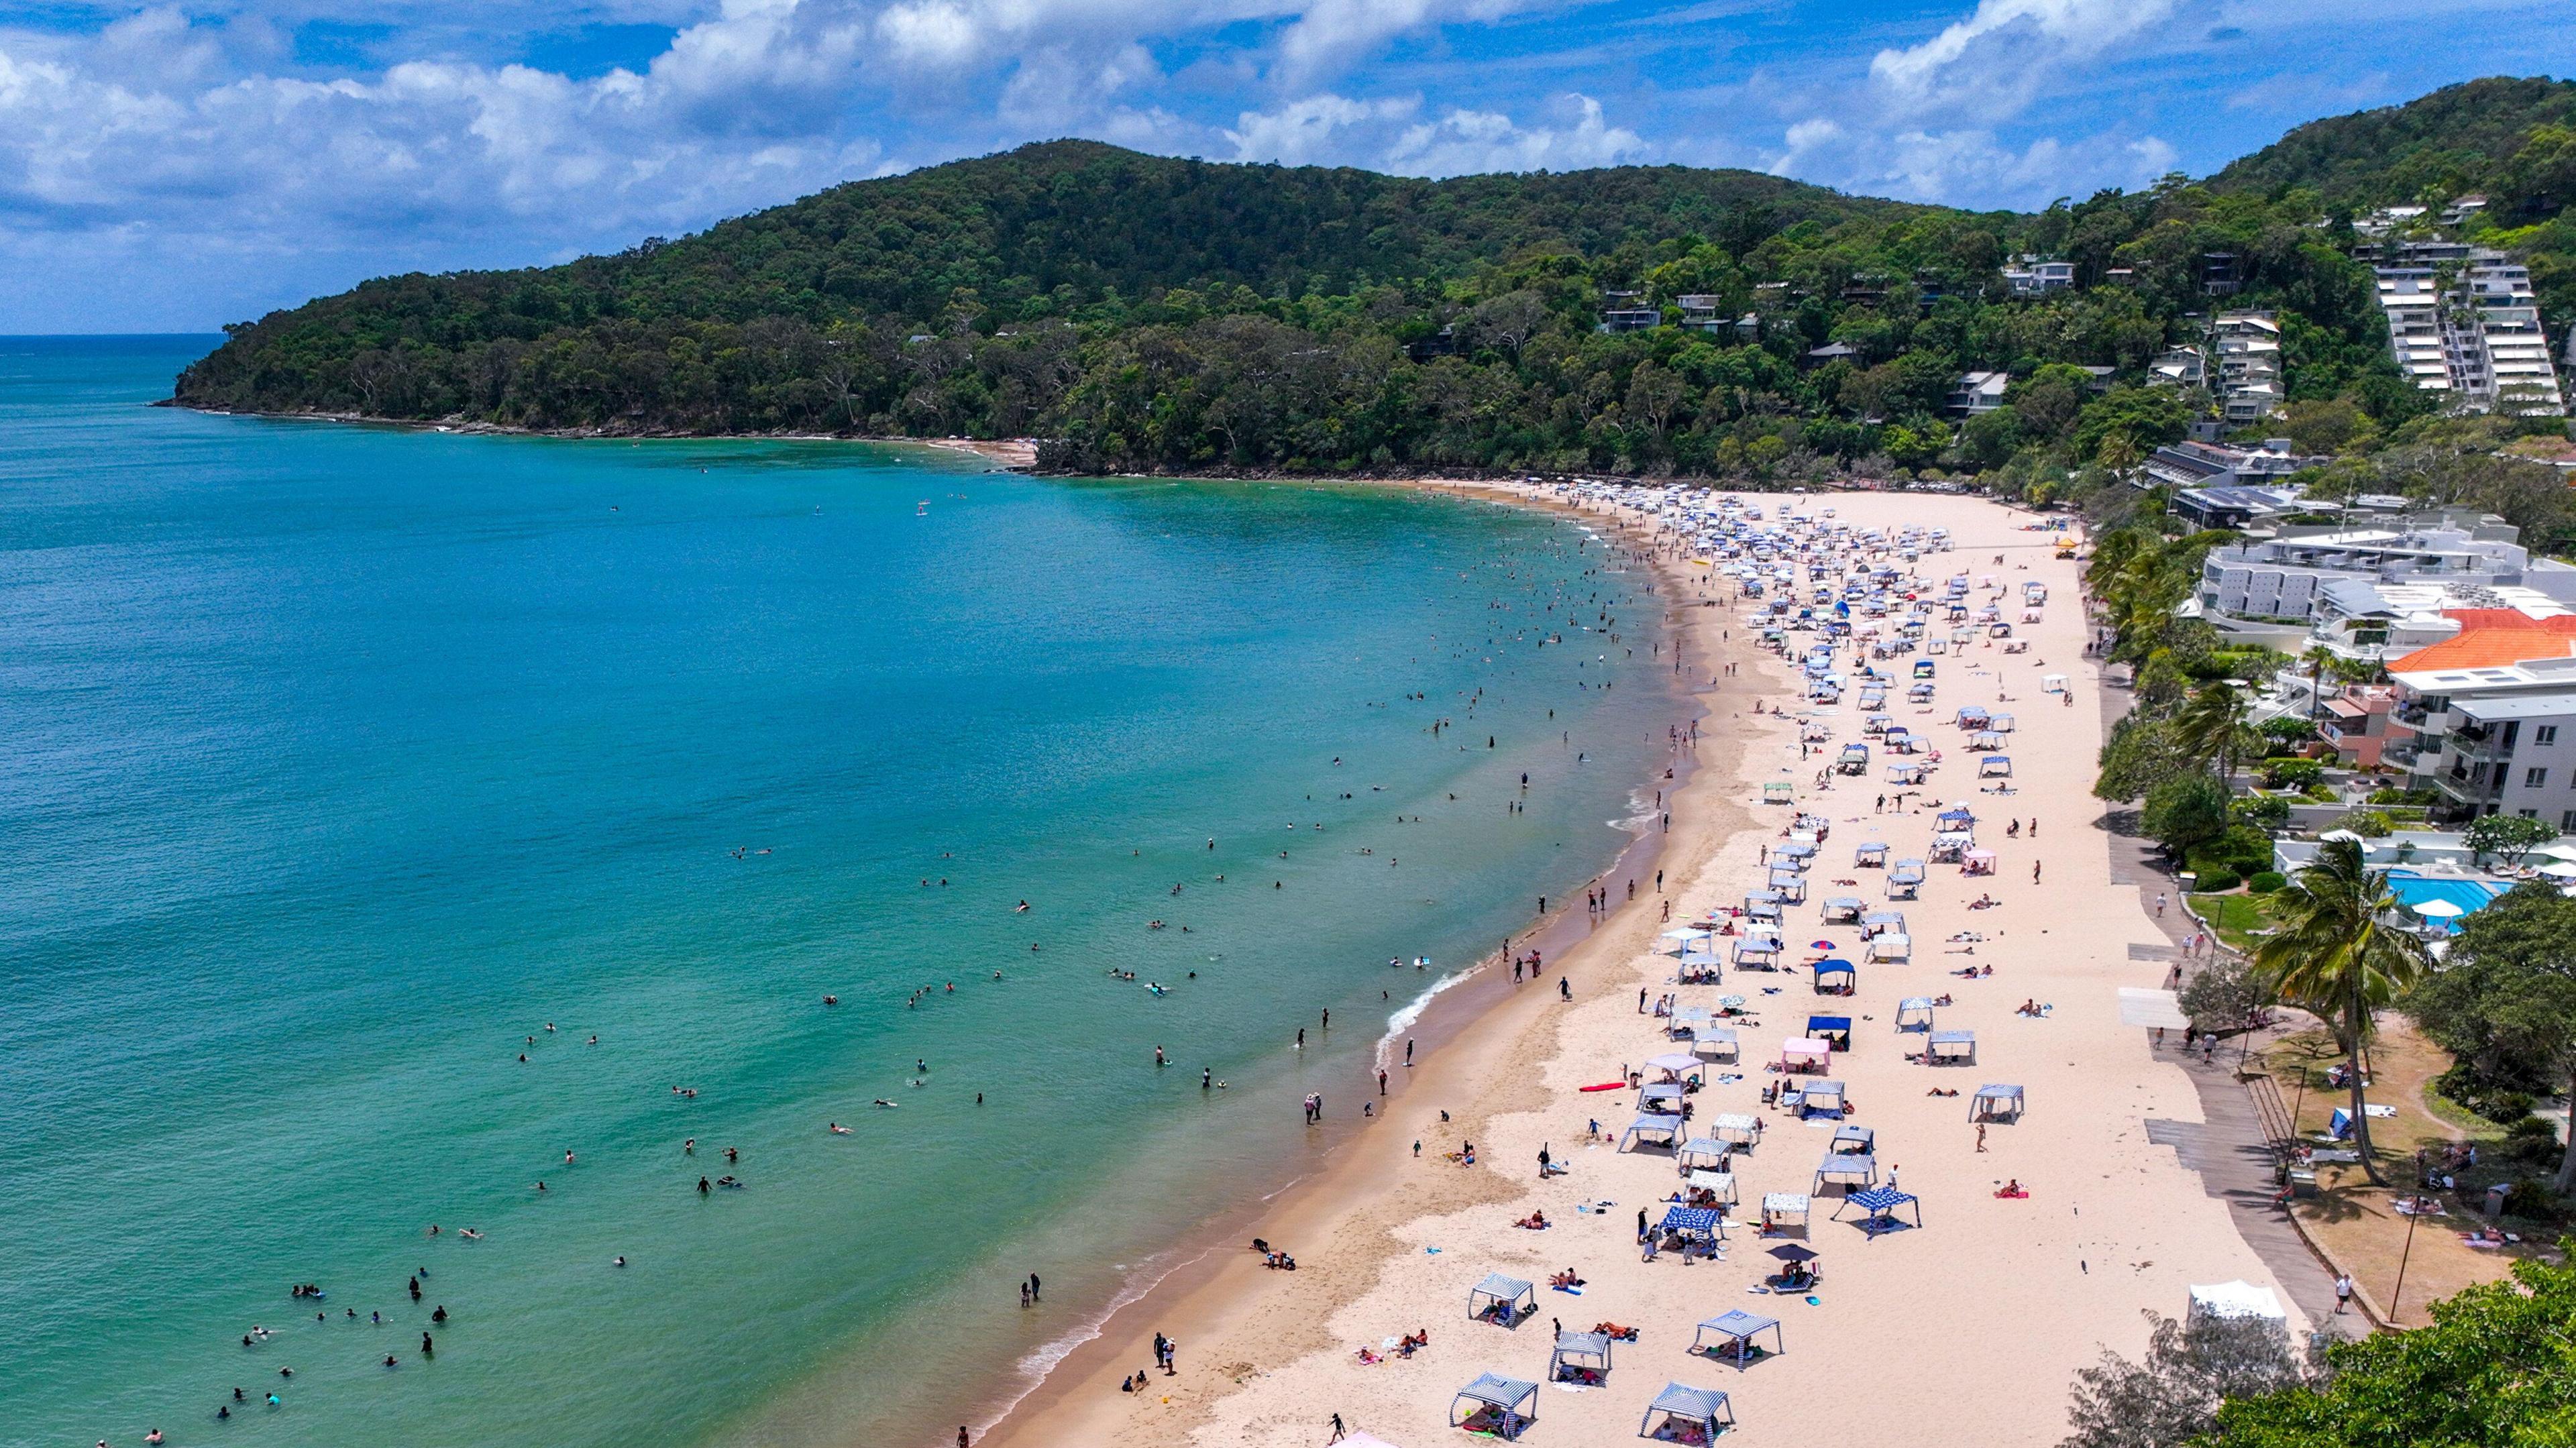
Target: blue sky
x,y
178,167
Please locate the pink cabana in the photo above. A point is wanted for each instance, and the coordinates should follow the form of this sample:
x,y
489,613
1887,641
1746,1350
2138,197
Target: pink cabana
x,y
1800,1054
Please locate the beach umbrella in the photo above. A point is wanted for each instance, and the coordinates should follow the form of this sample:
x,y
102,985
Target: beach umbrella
x,y
2440,910
1730,1001
2563,870
1820,945
2557,852
1792,1252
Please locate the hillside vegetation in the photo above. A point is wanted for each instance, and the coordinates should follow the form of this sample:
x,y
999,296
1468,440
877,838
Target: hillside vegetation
x,y
1145,312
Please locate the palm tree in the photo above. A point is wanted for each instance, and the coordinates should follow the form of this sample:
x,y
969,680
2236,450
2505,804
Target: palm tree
x,y
2208,724
2317,658
2340,952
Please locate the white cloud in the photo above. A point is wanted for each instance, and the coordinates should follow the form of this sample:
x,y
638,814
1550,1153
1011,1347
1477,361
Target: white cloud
x,y
1391,134
1309,130
2008,50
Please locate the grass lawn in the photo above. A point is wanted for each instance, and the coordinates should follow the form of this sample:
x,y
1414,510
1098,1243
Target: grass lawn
x,y
2354,1220
2234,917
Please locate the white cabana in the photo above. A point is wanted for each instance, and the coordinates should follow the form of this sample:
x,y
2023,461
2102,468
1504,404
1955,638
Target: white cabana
x,y
1870,854
1891,946
1734,1332
2052,683
1684,1414
1996,1103
1847,909
2001,723
1880,922
1758,952
1736,1128
1675,1064
1820,1098
1914,1013
1715,1043
1781,1209
1951,1047
1701,1154
1848,1170
1689,1020
2236,1299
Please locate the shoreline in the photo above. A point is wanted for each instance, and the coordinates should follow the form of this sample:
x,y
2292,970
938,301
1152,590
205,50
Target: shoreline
x,y
1385,1239
1461,1027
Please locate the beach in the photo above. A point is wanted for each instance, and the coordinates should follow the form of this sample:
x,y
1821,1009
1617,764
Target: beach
x,y
1905,1327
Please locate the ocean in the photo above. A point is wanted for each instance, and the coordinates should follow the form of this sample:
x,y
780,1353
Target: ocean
x,y
398,819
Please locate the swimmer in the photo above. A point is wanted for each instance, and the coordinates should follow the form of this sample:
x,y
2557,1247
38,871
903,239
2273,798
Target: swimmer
x,y
881,1101
837,1129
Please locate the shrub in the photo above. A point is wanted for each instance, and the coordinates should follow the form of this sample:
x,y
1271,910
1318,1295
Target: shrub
x,y
2292,773
2532,1141
2217,882
2262,811
2531,1199
2266,882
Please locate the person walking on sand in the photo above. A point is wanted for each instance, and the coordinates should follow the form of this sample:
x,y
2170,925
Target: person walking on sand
x,y
1981,1136
1339,1432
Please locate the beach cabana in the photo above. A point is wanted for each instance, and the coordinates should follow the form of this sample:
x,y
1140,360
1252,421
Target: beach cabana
x,y
1914,1013
1702,1153
1762,905
1906,872
1956,817
1779,791
1850,1171
1951,846
1688,1020
1995,766
1852,1137
1715,1043
1995,1103
1731,1334
1779,1209
1834,1031
1501,1300
1689,938
1802,1054
1854,759
1683,1414
1923,668
1977,862
1736,1129
1985,739
1844,910
1880,922
1820,1098
1692,1224
1908,773
2052,683
1579,1357
1662,1099
1495,1404
1948,1048
1891,945
1870,856
1879,1206
1719,1183
1676,1065
1791,885
2001,723
1972,716
1921,693
1836,977
1649,1123
1758,953
1799,852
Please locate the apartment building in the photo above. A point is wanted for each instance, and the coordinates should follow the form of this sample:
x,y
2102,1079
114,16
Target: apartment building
x,y
2355,586
2250,378
2479,338
2489,721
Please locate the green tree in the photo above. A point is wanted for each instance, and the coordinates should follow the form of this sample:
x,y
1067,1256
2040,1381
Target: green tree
x,y
2187,810
2493,1371
2210,727
2339,953
2504,1002
2510,836
2173,1394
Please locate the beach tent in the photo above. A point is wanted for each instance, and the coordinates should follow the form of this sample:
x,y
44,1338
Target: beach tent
x,y
1757,952
1906,872
1501,1300
1820,1098
2236,1299
1676,1064
1720,1182
1802,1053
1923,668
1879,1206
1836,977
1951,1047
1870,855
1977,862
1986,739
1995,1103
1736,1128
1921,693
1701,1153
1798,852
1956,817
2052,683
1791,886
1914,1013
1778,1208
1972,716
2001,723
1733,1333
1495,1404
1834,1031
1880,922
1689,1019
1762,909
1689,936
1579,1357
1660,1100
1852,1137
1692,1224
1714,1042
1951,846
1847,1170
1844,910
1652,1124
1891,945
1682,1414
1995,766
1908,773
1779,791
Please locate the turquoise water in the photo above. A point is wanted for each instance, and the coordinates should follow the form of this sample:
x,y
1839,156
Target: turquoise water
x,y
343,760
2470,895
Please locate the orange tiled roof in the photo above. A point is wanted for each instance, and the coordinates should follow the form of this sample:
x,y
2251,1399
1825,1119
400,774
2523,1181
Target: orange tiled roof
x,y
2494,646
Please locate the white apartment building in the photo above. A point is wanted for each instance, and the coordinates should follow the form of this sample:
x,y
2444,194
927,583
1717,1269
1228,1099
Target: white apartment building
x,y
2492,739
2480,341
2417,566
2250,381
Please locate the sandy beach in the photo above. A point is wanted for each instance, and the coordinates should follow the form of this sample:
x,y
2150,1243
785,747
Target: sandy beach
x,y
1908,1332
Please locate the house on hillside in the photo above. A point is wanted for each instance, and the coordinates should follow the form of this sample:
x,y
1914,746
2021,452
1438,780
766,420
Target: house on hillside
x,y
1978,392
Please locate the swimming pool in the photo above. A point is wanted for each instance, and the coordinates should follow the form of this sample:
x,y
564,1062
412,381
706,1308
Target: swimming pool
x,y
2470,895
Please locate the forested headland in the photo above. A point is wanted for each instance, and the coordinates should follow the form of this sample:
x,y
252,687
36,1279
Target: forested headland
x,y
1148,313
